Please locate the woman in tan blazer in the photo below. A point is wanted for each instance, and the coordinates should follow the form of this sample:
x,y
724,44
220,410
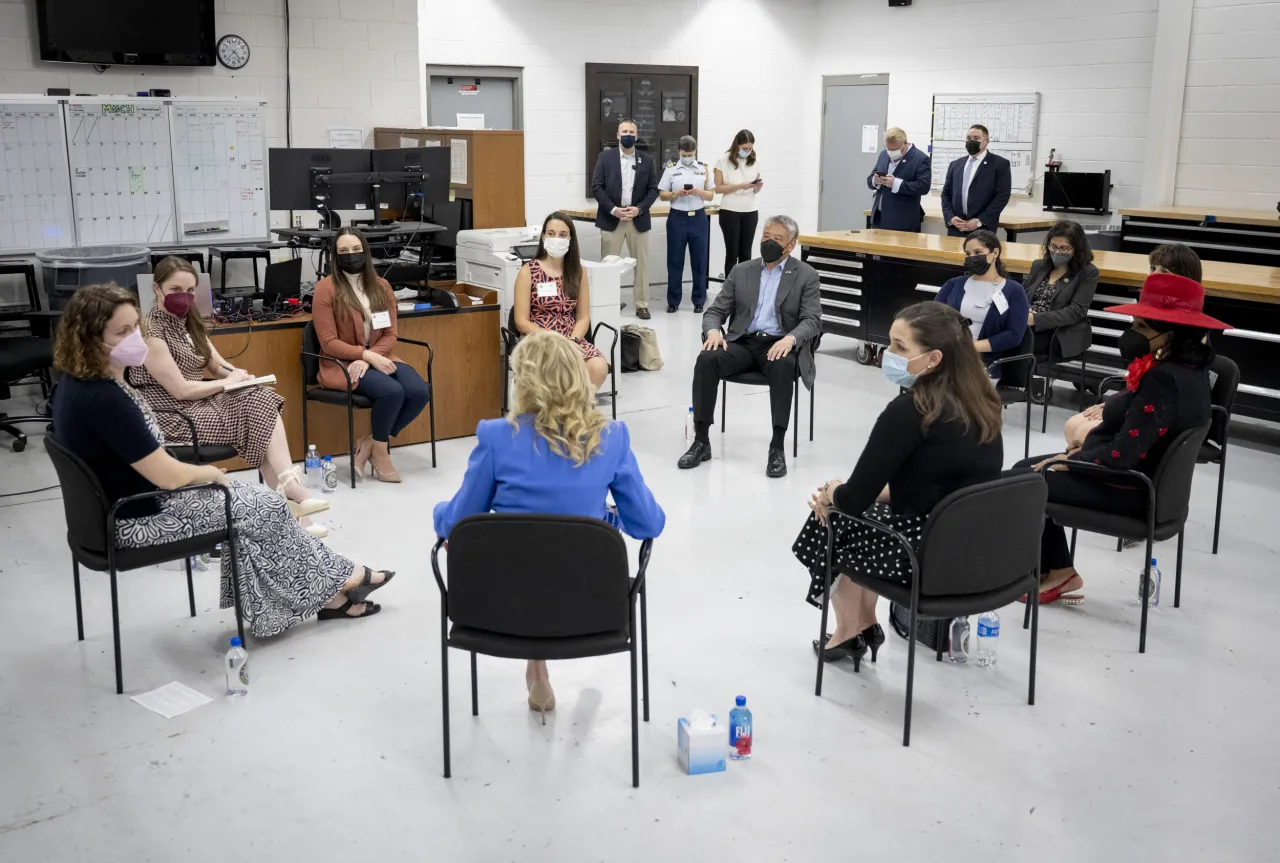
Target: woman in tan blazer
x,y
355,318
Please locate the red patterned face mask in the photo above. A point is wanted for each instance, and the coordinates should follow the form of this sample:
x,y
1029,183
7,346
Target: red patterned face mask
x,y
1137,369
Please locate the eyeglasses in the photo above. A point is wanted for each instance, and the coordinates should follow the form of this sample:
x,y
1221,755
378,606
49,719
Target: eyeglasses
x,y
1061,250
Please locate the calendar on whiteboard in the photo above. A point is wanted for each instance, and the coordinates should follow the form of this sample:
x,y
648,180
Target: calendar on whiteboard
x,y
1010,118
35,186
219,169
121,172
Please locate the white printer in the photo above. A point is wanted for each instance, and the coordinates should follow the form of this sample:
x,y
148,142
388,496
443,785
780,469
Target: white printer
x,y
486,258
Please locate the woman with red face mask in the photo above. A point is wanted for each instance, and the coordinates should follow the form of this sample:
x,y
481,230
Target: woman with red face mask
x,y
180,356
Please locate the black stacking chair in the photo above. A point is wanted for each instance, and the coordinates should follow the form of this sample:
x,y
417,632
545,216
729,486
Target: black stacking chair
x,y
195,453
24,359
758,379
91,536
1015,383
980,551
1168,502
312,391
541,587
1045,367
1214,449
511,337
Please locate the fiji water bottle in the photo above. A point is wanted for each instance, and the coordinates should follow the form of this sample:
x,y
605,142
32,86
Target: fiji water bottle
x,y
1153,585
740,729
988,636
237,668
959,651
688,424
330,475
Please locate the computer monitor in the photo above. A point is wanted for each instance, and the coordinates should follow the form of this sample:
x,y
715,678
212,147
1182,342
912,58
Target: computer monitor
x,y
283,280
293,179
449,217
400,197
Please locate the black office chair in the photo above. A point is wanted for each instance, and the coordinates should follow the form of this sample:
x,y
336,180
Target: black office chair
x,y
1168,503
91,536
980,550
511,337
1015,382
758,379
1214,449
313,392
24,359
1045,367
541,587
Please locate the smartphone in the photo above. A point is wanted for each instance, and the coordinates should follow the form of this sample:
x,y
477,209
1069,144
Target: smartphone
x,y
757,181
688,187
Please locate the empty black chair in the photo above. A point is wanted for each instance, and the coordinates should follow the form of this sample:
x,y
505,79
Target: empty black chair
x,y
1168,502
1046,365
758,379
312,391
1015,382
1214,449
541,587
511,337
980,550
91,536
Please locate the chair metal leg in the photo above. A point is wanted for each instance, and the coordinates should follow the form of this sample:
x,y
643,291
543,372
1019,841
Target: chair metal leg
x,y
1026,612
475,692
351,439
635,719
811,412
235,583
1177,579
1033,604
305,439
1217,514
1119,545
1146,580
826,602
938,645
1044,414
1073,543
431,412
444,684
115,632
75,577
644,648
911,676
1026,447
724,399
191,590
795,421
1084,389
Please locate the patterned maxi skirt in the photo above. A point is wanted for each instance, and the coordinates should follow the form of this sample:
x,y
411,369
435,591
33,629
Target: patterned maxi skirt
x,y
285,575
858,549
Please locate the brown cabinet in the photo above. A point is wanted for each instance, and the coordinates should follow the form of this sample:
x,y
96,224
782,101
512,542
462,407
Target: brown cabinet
x,y
493,177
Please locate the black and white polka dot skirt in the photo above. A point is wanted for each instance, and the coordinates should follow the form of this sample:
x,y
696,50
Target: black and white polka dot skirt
x,y
858,549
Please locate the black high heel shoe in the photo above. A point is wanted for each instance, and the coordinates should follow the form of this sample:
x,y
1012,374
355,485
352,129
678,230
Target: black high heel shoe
x,y
874,636
855,648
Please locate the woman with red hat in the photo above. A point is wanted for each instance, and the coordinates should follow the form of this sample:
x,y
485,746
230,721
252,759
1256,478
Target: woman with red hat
x,y
1167,394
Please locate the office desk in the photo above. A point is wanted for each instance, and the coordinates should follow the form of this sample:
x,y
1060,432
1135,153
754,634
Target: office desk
x,y
467,372
868,277
1011,222
657,211
1241,236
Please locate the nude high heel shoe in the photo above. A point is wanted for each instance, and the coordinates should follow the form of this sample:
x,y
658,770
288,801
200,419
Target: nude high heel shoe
x,y
310,506
541,698
390,474
364,449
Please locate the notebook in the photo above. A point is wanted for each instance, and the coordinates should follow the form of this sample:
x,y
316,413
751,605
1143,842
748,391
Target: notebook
x,y
264,381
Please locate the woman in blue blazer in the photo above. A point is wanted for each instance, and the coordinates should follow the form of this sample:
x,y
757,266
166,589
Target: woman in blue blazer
x,y
555,454
995,305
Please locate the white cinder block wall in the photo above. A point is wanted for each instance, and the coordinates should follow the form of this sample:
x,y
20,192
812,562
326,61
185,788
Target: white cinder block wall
x,y
1090,60
1229,152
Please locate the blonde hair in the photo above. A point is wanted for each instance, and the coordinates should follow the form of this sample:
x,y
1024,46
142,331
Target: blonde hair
x,y
893,133
551,386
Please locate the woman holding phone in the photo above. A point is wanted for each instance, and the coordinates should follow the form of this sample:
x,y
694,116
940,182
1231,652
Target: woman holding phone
x,y
738,182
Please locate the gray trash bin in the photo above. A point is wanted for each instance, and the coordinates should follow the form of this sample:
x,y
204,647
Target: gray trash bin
x,y
66,270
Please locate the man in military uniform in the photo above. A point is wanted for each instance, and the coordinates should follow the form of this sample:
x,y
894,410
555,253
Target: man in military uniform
x,y
689,185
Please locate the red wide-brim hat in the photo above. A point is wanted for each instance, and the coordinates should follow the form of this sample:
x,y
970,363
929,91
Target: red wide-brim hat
x,y
1171,299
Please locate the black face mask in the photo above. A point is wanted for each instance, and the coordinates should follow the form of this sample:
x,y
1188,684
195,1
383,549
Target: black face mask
x,y
1133,345
976,265
627,141
771,251
972,147
351,262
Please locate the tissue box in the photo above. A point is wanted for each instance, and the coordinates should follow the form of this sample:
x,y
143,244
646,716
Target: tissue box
x,y
702,750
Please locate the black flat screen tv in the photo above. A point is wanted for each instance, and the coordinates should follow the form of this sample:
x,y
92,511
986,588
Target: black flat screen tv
x,y
127,32
1066,190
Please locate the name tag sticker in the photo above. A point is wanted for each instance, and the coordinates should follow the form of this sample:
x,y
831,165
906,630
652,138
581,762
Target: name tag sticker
x,y
380,320
1002,304
548,289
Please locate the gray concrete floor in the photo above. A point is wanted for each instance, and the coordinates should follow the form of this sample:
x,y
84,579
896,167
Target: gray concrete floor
x,y
335,755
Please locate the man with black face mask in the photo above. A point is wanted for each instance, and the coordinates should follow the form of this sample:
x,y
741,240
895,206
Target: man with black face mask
x,y
774,311
625,185
977,187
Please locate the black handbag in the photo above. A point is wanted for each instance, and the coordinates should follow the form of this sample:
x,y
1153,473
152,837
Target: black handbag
x,y
928,632
630,352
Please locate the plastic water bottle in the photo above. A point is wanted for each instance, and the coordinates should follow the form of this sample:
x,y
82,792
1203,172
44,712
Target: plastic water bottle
x,y
312,462
959,652
988,637
688,425
1153,585
237,667
330,475
740,730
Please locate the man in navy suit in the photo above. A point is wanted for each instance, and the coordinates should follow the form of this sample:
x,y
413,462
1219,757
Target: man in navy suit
x,y
901,178
625,185
977,187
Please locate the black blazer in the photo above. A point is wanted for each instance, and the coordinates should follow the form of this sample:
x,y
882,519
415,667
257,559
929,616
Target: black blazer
x,y
988,192
1069,312
606,188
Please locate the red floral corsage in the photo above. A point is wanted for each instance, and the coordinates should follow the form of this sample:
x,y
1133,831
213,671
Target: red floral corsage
x,y
1137,369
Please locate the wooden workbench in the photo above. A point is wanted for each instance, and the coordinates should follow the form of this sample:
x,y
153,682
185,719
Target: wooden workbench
x,y
657,211
466,370
1011,222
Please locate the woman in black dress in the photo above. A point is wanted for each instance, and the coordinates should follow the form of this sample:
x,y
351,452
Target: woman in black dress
x,y
940,435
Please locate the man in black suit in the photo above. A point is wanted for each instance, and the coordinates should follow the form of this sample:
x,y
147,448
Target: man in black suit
x,y
902,177
977,187
625,185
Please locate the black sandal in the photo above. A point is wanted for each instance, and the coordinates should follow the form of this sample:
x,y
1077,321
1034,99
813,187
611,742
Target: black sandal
x,y
367,586
370,609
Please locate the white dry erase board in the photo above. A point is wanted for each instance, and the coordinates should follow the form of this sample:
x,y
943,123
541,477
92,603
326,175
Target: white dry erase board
x,y
35,183
219,172
1011,118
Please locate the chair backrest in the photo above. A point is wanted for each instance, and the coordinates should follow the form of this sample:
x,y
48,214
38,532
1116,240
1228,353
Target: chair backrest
x,y
1017,375
83,500
310,345
538,576
983,537
1173,476
1223,395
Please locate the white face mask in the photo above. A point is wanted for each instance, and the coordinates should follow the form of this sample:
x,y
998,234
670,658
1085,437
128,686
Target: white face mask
x,y
688,161
556,247
894,154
